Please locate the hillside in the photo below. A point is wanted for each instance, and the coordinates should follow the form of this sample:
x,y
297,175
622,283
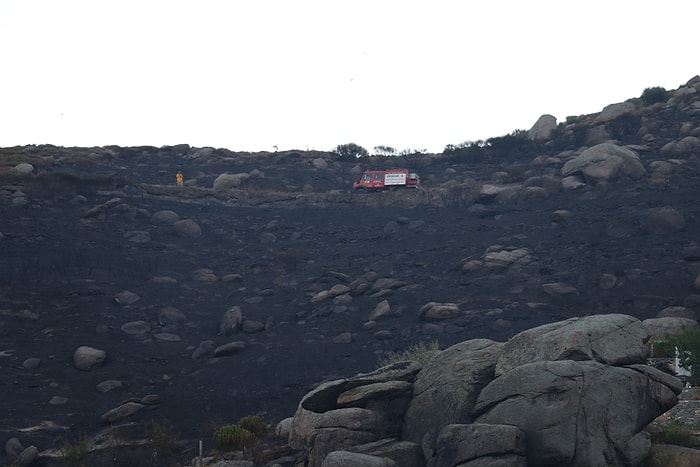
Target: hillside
x,y
264,275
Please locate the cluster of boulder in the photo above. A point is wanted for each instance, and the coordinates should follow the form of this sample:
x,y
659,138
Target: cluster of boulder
x,y
577,392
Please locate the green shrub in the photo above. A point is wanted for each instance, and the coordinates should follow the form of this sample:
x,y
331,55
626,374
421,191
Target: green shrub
x,y
663,349
653,95
675,433
254,424
688,345
422,353
232,438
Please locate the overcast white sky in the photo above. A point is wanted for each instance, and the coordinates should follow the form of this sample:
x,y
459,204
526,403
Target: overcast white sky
x,y
312,74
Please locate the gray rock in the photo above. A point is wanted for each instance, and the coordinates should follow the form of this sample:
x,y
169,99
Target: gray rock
x,y
31,363
203,349
136,328
613,339
121,412
231,321
605,162
354,459
664,220
187,228
86,358
613,111
126,298
446,389
543,127
404,453
578,413
13,447
106,386
230,348
27,457
501,445
23,169
252,326
165,217
225,182
660,328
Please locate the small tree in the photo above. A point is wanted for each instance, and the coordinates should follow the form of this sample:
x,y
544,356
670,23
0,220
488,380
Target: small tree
x,y
350,150
384,150
654,95
688,345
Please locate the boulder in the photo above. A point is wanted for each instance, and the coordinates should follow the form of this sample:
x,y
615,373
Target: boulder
x,y
225,182
605,162
346,404
664,220
165,217
187,228
87,358
579,413
404,453
480,444
543,127
231,321
354,459
660,328
23,169
614,339
446,389
613,111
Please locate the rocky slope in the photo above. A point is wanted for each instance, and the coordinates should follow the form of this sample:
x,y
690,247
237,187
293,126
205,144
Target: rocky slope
x,y
264,275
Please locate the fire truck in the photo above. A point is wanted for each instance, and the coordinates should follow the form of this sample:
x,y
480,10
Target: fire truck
x,y
377,180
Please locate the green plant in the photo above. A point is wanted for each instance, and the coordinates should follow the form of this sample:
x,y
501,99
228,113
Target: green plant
x,y
663,349
76,452
688,345
350,150
161,435
653,95
675,433
232,438
422,353
254,424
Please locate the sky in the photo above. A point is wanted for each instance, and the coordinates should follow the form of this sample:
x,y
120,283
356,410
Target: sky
x,y
261,75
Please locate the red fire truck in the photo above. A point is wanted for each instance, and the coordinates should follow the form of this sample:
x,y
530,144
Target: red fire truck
x,y
376,180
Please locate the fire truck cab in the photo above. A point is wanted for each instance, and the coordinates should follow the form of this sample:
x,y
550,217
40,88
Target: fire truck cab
x,y
376,180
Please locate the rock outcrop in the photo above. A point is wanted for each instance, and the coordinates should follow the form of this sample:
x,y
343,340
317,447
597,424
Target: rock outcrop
x,y
572,393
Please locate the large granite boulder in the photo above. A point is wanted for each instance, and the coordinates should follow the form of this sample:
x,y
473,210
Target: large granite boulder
x,y
573,393
446,389
579,413
477,445
614,339
605,162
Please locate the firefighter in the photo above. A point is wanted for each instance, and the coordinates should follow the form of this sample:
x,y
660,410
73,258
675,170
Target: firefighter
x,y
179,178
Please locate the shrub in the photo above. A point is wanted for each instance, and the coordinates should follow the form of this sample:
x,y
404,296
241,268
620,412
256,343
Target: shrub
x,y
422,353
75,453
232,438
162,436
384,150
675,433
254,424
663,349
654,95
688,345
350,150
